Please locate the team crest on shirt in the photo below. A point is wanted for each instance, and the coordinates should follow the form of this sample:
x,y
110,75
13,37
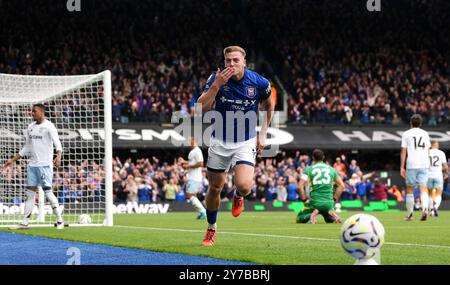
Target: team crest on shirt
x,y
251,92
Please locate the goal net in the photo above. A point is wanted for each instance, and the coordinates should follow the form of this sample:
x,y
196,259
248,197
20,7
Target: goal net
x,y
80,109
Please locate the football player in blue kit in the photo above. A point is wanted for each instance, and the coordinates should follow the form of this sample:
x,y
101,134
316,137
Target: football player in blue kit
x,y
236,94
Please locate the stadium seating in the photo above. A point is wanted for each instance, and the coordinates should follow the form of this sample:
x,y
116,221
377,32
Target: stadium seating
x,y
161,54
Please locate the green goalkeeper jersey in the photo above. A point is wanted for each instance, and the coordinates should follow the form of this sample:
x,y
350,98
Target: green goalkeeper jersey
x,y
321,177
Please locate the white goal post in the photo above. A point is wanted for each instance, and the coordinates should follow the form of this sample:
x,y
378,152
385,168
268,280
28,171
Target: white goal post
x,y
80,108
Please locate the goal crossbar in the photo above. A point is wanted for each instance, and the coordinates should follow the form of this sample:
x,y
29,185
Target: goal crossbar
x,y
79,82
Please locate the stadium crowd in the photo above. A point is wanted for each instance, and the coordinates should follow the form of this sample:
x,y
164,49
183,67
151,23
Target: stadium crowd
x,y
352,68
151,180
147,180
388,91
80,181
156,50
342,65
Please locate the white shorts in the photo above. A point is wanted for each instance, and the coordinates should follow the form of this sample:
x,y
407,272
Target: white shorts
x,y
193,187
222,157
435,183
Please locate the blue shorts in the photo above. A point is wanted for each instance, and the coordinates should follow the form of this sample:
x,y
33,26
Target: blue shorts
x,y
419,176
40,176
435,183
193,187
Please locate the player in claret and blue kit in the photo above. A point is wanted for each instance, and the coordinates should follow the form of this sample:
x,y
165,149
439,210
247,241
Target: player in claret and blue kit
x,y
236,94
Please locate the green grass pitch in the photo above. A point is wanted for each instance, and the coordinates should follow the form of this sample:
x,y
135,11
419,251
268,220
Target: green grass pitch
x,y
267,237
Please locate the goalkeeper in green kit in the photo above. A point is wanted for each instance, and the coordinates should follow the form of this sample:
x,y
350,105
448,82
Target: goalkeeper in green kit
x,y
321,177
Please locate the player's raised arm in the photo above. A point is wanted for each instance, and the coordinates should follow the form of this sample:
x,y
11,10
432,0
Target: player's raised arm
x,y
212,87
57,143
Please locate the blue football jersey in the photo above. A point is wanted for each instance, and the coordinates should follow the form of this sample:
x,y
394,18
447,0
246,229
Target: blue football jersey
x,y
237,102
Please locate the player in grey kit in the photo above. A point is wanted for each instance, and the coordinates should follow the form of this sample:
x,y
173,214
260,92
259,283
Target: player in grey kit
x,y
41,135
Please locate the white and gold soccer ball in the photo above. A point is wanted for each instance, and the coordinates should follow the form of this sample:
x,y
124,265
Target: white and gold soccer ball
x,y
84,219
362,236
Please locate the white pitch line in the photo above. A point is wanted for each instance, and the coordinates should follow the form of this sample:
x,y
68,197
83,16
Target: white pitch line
x,y
282,236
314,229
418,245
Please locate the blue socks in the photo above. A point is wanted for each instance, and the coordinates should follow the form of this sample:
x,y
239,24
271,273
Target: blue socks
x,y
211,216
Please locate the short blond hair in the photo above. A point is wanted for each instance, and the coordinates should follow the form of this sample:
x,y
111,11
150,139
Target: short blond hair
x,y
233,48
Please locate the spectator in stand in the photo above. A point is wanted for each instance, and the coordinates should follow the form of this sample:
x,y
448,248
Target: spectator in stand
x,y
261,188
292,190
131,189
170,189
353,182
116,186
379,190
361,188
121,195
74,193
116,110
348,192
395,193
340,167
145,191
281,190
340,172
180,195
353,168
271,193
